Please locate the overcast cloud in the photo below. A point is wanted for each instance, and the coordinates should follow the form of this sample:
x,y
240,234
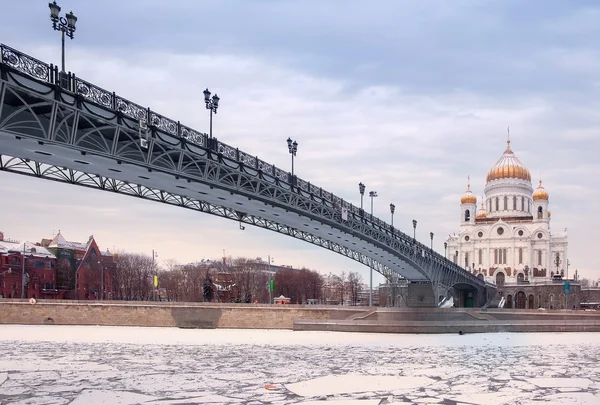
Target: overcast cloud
x,y
409,97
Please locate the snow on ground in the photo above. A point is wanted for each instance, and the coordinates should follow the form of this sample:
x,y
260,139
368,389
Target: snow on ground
x,y
169,366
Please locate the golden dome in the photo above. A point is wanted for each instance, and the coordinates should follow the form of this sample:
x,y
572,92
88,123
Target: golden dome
x,y
481,213
468,197
540,193
508,167
549,213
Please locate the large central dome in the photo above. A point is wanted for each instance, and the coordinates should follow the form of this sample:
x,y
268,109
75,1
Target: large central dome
x,y
508,167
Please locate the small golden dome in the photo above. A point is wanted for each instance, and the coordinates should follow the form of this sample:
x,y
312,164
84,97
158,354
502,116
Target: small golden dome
x,y
468,197
481,213
508,167
549,213
540,193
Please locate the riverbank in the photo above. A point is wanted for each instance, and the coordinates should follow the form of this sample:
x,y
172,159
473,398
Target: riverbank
x,y
295,317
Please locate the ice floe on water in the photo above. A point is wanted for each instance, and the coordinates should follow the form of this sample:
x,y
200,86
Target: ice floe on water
x,y
168,366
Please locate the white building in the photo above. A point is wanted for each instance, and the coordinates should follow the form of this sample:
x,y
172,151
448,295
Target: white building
x,y
509,238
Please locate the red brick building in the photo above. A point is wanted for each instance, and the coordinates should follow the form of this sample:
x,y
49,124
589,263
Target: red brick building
x,y
26,264
83,272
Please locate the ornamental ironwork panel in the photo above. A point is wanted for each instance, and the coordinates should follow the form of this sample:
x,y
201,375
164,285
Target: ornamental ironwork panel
x,y
315,190
192,136
247,159
94,93
227,151
302,184
132,110
281,175
164,124
25,64
265,167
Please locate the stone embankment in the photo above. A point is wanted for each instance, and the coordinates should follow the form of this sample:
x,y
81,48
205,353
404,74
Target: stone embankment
x,y
295,317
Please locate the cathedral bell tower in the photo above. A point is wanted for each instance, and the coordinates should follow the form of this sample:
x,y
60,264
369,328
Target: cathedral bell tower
x,y
468,206
540,204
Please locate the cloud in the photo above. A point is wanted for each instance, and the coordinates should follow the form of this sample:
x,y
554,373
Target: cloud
x,y
369,96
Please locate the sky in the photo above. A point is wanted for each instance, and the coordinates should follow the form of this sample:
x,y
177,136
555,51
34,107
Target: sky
x,y
408,97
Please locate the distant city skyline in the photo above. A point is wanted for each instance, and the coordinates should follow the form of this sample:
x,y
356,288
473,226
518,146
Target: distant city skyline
x,y
369,95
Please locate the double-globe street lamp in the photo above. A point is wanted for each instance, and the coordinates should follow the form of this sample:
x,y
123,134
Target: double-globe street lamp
x,y
392,210
66,25
361,190
431,236
292,148
414,229
212,104
372,194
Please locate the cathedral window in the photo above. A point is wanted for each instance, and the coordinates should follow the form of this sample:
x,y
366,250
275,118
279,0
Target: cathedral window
x,y
529,206
523,204
539,258
467,215
505,203
466,260
520,255
503,256
495,256
540,213
514,203
497,204
480,256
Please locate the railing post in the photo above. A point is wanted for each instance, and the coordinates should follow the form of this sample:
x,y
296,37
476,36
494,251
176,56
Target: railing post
x,y
256,162
148,114
237,154
114,101
179,133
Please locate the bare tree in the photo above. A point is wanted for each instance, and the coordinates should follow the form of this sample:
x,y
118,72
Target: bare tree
x,y
133,276
354,286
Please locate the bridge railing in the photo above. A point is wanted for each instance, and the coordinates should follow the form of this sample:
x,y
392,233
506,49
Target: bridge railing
x,y
68,81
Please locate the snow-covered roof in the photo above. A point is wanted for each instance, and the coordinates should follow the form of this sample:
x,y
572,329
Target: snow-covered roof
x,y
60,242
30,249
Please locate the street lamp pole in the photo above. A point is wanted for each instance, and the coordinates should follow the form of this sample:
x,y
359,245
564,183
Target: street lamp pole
x,y
392,210
431,236
23,273
414,229
361,189
292,148
445,250
66,26
154,254
372,194
212,104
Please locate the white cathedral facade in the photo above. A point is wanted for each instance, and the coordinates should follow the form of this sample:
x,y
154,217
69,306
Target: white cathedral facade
x,y
508,239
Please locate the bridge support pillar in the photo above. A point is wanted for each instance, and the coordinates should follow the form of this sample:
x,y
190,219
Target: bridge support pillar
x,y
421,295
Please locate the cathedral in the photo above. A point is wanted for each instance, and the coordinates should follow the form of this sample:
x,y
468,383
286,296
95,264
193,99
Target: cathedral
x,y
508,238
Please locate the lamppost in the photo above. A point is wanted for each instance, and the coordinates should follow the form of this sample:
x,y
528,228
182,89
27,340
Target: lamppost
x,y
212,104
445,250
292,148
361,189
392,210
372,194
23,273
414,229
154,254
431,236
66,25
270,282
557,261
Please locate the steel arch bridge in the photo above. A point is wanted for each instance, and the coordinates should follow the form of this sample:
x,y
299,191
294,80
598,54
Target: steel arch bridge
x,y
59,127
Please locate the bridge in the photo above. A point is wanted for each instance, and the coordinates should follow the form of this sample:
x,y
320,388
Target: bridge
x,y
56,126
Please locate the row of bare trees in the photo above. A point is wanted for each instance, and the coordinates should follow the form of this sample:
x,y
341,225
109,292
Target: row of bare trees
x,y
235,280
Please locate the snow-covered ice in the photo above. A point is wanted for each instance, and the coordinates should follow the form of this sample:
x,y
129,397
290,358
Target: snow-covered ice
x,y
170,366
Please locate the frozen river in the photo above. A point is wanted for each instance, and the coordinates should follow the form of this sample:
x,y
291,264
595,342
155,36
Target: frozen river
x,y
166,366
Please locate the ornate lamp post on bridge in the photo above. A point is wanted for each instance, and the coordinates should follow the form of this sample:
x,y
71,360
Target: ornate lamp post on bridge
x,y
392,210
372,194
66,25
445,250
431,236
292,148
212,104
361,189
414,229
